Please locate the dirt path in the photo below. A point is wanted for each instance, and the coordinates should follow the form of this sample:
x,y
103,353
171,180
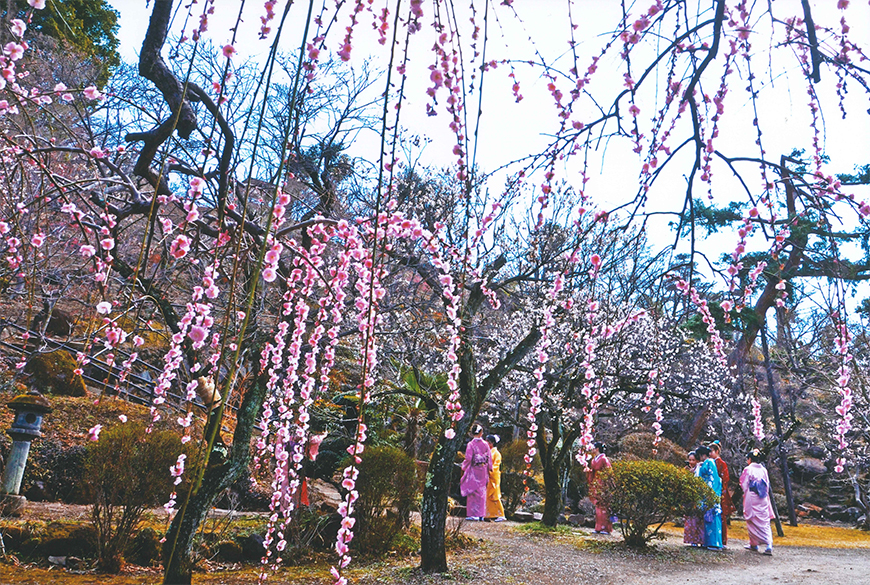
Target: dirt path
x,y
511,557
507,555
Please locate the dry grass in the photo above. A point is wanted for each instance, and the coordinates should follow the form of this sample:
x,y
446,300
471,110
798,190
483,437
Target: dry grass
x,y
801,535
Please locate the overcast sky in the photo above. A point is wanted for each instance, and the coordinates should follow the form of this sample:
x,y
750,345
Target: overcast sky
x,y
510,131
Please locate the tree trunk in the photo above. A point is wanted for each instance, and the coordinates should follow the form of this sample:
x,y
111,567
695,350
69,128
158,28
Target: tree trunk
x,y
553,493
774,400
433,553
433,511
178,549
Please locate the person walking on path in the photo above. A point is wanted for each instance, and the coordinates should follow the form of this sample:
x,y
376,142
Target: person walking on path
x,y
693,526
494,508
756,503
712,517
600,462
475,474
727,505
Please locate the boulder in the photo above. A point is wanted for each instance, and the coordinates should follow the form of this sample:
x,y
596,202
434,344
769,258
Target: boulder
x,y
229,551
55,371
817,451
144,548
809,467
576,519
252,547
63,540
836,512
323,495
523,517
810,510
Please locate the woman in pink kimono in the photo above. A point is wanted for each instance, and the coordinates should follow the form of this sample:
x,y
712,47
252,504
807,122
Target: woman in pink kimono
x,y
475,474
756,503
600,462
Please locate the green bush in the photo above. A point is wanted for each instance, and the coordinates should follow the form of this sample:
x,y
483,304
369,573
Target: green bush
x,y
512,490
513,458
126,471
646,494
387,486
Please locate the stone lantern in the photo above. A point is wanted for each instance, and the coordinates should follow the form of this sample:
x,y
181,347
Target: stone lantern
x,y
29,410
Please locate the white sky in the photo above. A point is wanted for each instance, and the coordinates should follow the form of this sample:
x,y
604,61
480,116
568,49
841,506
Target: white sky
x,y
510,131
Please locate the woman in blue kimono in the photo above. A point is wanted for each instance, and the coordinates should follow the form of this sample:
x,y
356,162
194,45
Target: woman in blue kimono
x,y
713,517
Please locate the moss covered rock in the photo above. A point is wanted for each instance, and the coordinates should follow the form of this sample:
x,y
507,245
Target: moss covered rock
x,y
54,372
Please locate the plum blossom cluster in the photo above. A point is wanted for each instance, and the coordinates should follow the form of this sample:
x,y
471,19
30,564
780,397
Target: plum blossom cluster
x,y
844,425
707,317
297,369
757,421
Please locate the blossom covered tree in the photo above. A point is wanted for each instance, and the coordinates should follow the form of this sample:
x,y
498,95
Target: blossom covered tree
x,y
213,219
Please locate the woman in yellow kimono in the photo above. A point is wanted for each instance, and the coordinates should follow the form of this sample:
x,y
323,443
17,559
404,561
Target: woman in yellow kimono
x,y
494,509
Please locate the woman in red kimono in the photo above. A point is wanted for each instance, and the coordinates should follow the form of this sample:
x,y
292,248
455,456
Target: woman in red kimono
x,y
727,505
475,474
600,462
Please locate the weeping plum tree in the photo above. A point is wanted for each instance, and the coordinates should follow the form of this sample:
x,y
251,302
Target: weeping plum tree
x,y
184,223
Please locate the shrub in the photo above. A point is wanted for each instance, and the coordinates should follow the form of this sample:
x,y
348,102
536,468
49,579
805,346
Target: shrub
x,y
144,548
513,458
59,468
309,531
126,471
646,494
512,490
640,446
387,486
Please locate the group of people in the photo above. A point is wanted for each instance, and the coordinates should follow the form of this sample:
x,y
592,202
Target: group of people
x,y
481,486
711,529
481,478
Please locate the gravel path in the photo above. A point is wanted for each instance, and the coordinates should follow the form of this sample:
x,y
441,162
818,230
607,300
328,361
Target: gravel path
x,y
507,556
520,558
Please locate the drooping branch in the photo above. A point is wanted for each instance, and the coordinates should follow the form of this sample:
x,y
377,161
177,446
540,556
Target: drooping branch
x,y
153,68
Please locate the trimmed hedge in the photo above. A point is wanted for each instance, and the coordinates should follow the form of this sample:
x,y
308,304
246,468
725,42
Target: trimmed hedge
x,y
646,494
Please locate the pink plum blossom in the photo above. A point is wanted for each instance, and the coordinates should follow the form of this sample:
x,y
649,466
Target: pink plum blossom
x,y
94,432
17,27
14,51
92,93
180,246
